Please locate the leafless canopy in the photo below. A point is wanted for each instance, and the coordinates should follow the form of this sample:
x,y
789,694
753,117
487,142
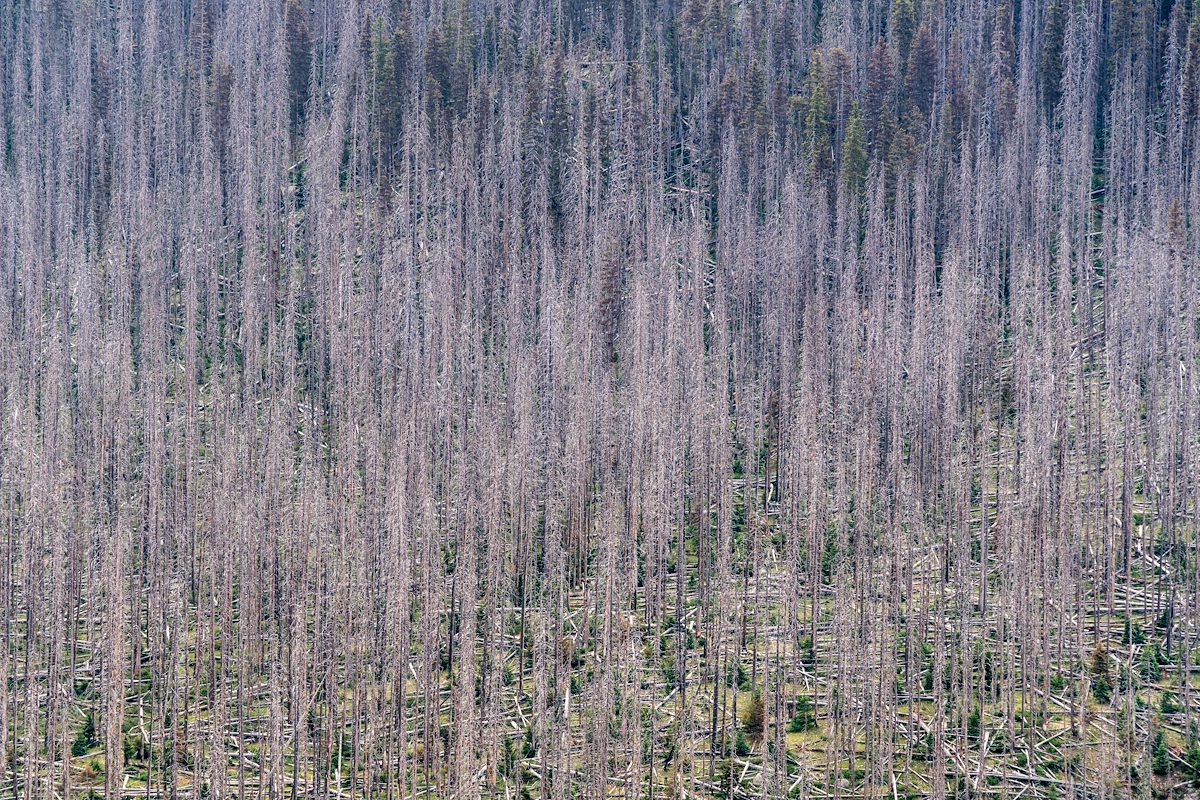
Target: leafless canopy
x,y
599,398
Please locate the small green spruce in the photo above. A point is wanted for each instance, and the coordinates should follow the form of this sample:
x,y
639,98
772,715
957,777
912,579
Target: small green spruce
x,y
1160,756
85,740
804,719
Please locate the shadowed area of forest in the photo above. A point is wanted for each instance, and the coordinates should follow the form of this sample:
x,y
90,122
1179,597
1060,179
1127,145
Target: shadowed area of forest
x,y
586,399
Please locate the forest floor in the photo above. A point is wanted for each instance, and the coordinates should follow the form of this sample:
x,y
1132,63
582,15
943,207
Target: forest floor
x,y
1117,720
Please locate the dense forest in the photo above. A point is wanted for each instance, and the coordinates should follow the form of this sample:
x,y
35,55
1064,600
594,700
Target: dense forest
x,y
564,399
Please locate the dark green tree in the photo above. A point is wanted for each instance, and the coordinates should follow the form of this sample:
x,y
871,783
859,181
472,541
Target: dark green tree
x,y
299,52
854,155
879,99
901,24
921,74
1052,55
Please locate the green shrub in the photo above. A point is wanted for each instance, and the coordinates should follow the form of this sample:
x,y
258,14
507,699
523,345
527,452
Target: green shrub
x,y
1150,663
1160,757
756,714
1133,633
804,719
85,740
1168,704
973,724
